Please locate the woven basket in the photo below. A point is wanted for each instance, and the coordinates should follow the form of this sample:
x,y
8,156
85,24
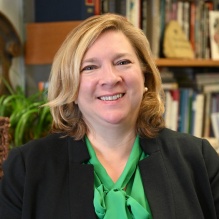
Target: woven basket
x,y
4,141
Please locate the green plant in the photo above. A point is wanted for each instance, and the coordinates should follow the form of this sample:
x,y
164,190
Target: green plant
x,y
28,119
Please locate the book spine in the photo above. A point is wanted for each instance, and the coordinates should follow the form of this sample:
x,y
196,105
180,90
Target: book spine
x,y
180,13
66,10
144,16
153,28
97,7
198,106
175,109
133,12
192,24
186,19
88,8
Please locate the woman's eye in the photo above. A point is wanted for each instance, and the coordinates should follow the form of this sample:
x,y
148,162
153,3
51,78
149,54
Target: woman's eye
x,y
89,68
123,62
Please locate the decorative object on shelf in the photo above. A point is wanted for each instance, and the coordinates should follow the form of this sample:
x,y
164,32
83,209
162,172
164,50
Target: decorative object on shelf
x,y
10,46
176,45
4,140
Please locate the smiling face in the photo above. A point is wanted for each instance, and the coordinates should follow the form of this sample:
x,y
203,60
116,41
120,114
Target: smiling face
x,y
111,82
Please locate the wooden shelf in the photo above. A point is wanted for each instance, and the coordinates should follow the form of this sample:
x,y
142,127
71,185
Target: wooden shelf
x,y
187,62
44,39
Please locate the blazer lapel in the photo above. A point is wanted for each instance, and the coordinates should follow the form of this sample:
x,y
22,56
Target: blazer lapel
x,y
155,180
81,181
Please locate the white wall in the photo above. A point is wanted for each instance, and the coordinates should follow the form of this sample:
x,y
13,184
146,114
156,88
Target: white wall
x,y
13,10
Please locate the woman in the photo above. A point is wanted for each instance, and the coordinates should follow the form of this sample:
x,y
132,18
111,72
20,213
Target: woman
x,y
110,155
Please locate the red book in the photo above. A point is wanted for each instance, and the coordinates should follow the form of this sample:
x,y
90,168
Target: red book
x,y
192,24
97,7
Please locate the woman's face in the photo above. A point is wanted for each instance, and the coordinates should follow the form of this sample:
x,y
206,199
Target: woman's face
x,y
111,83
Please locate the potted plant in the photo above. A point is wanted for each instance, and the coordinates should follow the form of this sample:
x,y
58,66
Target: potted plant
x,y
28,119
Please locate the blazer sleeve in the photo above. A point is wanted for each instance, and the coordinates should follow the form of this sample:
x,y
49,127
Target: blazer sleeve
x,y
212,165
12,186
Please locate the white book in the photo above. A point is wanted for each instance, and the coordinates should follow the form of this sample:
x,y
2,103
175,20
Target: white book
x,y
210,88
214,37
174,120
215,124
133,12
168,108
199,114
180,13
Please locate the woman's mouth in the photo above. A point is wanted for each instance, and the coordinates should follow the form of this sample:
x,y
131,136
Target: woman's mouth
x,y
111,98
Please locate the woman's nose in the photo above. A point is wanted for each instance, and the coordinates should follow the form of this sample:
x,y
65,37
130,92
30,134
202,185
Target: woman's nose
x,y
110,75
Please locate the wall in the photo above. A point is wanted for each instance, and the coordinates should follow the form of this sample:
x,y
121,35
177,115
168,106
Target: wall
x,y
13,10
33,73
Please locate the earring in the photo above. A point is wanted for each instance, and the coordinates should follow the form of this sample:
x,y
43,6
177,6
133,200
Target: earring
x,y
145,89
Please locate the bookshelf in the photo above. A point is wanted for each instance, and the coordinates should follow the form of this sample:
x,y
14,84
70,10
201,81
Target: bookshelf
x,y
44,39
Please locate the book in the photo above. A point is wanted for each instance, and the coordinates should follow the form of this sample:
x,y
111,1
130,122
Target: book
x,y
215,102
197,122
162,26
175,94
192,24
210,88
144,16
214,34
203,79
198,26
185,23
153,26
170,85
215,124
185,109
97,7
133,12
208,6
168,107
171,109
168,80
121,8
180,13
65,10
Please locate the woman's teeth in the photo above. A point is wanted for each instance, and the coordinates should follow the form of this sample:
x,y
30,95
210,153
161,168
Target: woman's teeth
x,y
111,98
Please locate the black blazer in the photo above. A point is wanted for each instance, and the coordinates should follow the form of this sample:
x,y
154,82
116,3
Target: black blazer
x,y
46,179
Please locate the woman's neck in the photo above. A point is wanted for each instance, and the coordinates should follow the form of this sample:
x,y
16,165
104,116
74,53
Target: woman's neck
x,y
114,139
113,150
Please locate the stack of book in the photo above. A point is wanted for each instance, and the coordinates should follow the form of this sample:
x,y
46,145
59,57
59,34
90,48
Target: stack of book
x,y
193,109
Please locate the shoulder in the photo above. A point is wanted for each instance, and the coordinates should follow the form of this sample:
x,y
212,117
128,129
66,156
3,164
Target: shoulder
x,y
184,143
167,137
180,150
48,145
53,146
174,144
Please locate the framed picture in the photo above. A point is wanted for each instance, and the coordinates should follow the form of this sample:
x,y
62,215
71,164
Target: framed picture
x,y
214,34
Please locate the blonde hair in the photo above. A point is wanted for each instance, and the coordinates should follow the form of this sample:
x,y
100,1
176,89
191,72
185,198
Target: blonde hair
x,y
65,77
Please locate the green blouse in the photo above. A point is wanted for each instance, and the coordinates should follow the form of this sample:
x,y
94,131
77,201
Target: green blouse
x,y
125,198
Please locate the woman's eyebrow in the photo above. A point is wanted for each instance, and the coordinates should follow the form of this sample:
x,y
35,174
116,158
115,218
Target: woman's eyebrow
x,y
120,55
116,56
89,60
